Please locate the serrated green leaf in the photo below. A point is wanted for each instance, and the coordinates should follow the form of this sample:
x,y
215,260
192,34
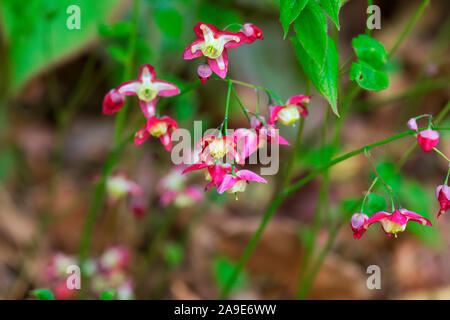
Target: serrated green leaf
x,y
108,295
289,11
311,29
325,79
43,294
374,203
169,21
369,78
370,51
332,7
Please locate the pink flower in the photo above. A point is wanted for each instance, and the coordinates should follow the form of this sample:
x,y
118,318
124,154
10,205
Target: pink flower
x,y
138,206
238,182
118,186
266,132
428,139
412,124
291,112
214,173
359,224
146,87
161,128
62,292
213,44
204,72
182,198
392,223
57,267
247,141
113,102
215,148
251,32
443,196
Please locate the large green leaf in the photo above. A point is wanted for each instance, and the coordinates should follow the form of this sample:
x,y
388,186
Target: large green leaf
x,y
332,9
324,79
37,33
369,78
289,11
311,29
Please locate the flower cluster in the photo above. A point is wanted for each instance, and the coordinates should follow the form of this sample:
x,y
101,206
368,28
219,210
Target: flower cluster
x,y
427,139
107,272
147,88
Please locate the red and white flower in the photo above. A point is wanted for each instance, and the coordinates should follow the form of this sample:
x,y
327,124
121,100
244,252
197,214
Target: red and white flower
x,y
238,182
214,173
147,88
213,44
216,148
292,111
157,127
251,32
443,196
392,223
428,139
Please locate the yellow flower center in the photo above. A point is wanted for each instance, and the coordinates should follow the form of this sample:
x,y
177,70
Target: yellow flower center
x,y
158,129
392,227
147,93
288,115
212,51
238,187
218,148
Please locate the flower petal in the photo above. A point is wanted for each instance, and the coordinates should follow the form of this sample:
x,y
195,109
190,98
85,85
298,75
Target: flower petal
x,y
228,182
148,108
193,50
141,135
113,102
248,175
415,217
220,65
165,89
129,88
146,73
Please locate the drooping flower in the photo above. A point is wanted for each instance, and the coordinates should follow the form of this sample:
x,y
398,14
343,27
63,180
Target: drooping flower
x,y
292,111
251,32
359,224
204,72
215,148
213,44
412,124
246,140
118,185
428,139
146,87
266,132
443,196
214,173
157,127
238,182
392,223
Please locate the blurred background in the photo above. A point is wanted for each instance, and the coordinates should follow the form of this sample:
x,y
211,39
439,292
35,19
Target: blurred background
x,y
54,141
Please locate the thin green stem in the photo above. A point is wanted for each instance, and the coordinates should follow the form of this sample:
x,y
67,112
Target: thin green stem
x,y
240,104
245,84
408,27
227,106
367,193
441,154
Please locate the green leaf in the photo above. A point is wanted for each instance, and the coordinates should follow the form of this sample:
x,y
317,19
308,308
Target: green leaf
x,y
374,203
38,37
311,29
332,7
325,79
223,269
169,21
370,51
108,295
369,78
116,30
43,294
118,53
289,11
